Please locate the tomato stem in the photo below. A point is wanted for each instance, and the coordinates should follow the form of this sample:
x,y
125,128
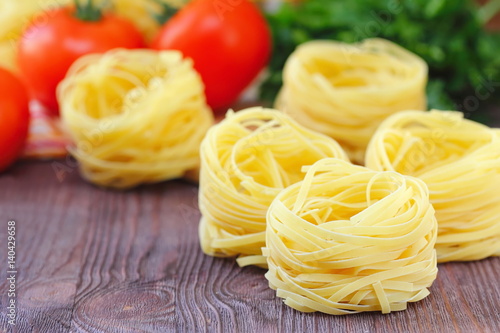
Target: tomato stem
x,y
167,11
88,11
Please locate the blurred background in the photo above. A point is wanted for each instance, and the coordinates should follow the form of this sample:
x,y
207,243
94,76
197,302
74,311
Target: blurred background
x,y
459,40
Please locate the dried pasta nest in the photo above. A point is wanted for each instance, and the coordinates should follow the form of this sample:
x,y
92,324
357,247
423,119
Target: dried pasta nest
x,y
348,239
246,160
346,90
459,160
136,116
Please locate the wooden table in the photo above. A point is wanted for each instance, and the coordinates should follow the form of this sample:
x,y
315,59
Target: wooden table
x,y
93,260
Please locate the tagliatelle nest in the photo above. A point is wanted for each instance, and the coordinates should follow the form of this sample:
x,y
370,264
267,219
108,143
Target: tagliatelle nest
x,y
346,90
459,160
348,239
247,160
136,116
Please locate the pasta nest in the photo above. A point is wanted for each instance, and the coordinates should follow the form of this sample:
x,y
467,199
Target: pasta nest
x,y
346,90
246,160
136,116
459,160
348,239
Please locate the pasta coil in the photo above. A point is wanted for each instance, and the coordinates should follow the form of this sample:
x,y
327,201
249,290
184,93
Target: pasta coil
x,y
246,160
136,116
459,160
347,239
345,91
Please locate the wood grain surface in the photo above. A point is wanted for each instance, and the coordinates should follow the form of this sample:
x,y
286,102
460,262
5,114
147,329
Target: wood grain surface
x,y
94,260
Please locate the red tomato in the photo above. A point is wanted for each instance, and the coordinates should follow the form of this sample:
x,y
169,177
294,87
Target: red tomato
x,y
14,118
228,40
46,51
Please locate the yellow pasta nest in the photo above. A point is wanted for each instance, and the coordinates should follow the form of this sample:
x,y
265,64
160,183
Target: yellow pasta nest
x,y
348,239
345,91
136,116
246,160
460,162
15,16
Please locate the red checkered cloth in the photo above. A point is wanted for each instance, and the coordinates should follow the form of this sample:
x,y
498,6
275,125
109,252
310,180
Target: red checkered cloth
x,y
46,139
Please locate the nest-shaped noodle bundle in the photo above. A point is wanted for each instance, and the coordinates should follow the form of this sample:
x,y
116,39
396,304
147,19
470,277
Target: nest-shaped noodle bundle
x,y
348,239
345,91
246,160
459,160
136,116
15,16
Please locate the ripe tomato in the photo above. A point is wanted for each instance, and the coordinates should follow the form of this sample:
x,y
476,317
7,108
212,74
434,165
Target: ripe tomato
x,y
48,49
228,40
14,118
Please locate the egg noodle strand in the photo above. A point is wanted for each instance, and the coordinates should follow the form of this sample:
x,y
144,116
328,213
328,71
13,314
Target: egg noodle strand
x,y
246,160
459,160
136,116
347,239
345,90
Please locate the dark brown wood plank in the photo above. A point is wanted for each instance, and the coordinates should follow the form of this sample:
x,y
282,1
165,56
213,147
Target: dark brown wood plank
x,y
94,260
